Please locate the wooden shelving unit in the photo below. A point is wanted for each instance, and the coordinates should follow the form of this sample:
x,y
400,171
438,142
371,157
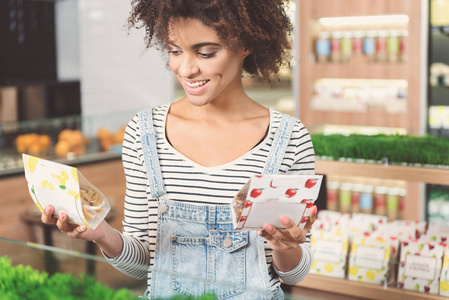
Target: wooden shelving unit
x,y
310,11
412,174
310,71
361,290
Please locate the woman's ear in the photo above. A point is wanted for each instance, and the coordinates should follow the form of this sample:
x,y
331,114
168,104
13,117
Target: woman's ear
x,y
246,52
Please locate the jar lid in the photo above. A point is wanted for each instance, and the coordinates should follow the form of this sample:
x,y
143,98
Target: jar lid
x,y
367,189
333,185
345,186
393,191
357,187
324,35
336,34
380,190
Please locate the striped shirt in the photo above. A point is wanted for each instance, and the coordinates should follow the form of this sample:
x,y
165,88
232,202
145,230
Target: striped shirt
x,y
190,182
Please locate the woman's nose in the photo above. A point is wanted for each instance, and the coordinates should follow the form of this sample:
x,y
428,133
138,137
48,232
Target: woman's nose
x,y
188,67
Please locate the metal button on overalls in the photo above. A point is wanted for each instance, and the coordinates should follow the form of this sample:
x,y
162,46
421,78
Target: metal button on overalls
x,y
163,208
227,242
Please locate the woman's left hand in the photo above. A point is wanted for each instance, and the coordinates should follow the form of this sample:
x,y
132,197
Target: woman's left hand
x,y
290,238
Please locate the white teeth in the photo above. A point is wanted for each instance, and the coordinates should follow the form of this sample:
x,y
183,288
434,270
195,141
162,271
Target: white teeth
x,y
196,84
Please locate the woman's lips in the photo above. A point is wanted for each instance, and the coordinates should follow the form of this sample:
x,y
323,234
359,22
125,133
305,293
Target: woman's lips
x,y
195,87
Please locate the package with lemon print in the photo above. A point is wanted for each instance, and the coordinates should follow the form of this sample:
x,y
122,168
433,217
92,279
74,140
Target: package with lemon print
x,y
66,189
329,254
444,278
368,261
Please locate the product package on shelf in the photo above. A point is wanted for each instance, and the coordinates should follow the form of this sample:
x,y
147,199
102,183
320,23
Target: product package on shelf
x,y
437,233
327,219
444,277
364,223
265,198
420,266
392,237
404,229
66,189
369,258
329,254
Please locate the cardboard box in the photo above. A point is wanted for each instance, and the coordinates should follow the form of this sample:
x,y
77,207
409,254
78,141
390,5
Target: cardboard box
x,y
65,188
329,254
420,266
369,258
265,198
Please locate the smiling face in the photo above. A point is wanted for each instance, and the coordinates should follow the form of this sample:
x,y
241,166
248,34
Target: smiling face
x,y
207,70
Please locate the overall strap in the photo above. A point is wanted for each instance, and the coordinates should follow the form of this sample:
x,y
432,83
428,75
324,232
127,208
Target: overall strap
x,y
149,140
279,146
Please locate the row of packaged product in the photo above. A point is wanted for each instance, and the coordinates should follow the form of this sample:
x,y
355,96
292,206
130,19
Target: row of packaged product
x,y
439,117
392,99
439,74
369,248
348,197
439,12
371,45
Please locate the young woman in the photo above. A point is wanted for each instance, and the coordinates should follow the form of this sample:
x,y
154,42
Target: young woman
x,y
184,162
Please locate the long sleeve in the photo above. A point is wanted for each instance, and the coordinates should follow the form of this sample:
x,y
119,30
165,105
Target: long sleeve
x,y
302,156
134,258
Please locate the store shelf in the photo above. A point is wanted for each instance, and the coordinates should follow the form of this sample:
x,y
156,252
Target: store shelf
x,y
370,118
360,289
84,159
439,95
440,29
413,174
361,70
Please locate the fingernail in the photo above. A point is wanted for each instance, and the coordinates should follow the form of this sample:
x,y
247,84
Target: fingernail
x,y
48,209
314,209
284,220
63,216
82,228
267,227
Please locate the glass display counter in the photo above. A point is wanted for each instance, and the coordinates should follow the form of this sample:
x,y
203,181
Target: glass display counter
x,y
70,140
67,270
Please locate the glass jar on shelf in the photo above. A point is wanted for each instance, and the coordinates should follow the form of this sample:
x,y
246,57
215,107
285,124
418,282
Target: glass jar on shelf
x,y
369,45
323,47
336,46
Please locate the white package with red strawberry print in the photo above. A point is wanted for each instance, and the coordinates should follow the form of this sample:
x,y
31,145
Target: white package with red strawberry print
x,y
420,266
265,198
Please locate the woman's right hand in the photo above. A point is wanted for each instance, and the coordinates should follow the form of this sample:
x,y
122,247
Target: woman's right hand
x,y
72,230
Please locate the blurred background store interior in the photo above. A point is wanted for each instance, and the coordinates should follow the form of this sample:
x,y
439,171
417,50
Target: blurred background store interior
x,y
72,75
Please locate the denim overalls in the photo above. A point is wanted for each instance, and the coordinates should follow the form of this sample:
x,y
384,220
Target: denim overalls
x,y
197,249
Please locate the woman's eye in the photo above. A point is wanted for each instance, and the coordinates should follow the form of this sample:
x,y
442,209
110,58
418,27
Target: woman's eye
x,y
174,52
206,55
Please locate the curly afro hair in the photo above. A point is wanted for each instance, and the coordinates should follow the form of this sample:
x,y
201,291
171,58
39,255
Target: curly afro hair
x,y
262,26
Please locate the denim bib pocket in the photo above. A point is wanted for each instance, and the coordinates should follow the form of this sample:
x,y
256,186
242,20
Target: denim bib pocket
x,y
228,241
214,264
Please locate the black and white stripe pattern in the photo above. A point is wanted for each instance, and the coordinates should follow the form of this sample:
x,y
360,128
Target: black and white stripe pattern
x,y
189,182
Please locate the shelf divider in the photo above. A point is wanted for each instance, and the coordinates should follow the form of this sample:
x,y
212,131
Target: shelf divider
x,y
406,173
361,289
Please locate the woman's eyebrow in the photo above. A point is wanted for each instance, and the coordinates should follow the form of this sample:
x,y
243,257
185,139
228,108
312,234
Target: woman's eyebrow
x,y
199,45
196,46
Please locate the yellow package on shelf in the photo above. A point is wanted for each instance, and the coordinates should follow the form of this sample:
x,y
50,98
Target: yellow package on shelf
x,y
368,261
329,254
